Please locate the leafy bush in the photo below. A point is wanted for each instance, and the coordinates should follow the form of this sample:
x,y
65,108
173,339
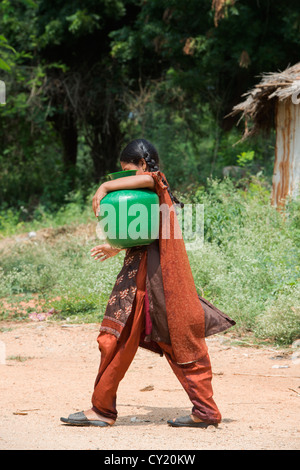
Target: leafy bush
x,y
250,256
248,265
281,320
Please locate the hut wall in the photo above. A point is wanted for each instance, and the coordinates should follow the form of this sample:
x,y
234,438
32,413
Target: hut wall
x,y
286,175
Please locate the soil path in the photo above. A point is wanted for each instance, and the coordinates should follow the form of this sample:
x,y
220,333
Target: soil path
x,y
50,369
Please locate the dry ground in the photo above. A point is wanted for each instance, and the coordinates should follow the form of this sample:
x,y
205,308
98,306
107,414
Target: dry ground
x,y
50,370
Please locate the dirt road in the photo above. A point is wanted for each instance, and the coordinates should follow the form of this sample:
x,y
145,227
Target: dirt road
x,y
50,369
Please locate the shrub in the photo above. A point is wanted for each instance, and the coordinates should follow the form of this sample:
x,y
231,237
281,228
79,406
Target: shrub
x,y
248,265
281,320
250,257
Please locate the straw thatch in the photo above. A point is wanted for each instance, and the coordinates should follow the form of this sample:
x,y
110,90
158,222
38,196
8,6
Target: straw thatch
x,y
260,103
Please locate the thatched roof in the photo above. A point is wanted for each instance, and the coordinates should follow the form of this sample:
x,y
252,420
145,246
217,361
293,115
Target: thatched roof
x,y
260,102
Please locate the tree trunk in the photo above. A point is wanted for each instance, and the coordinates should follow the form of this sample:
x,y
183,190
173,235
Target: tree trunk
x,y
69,138
105,149
65,126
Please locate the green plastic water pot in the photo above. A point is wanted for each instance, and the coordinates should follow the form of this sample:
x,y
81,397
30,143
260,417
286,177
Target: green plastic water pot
x,y
121,174
129,217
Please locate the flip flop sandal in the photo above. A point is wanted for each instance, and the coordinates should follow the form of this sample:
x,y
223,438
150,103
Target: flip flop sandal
x,y
79,419
187,421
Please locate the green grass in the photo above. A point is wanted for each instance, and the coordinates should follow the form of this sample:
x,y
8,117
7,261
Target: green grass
x,y
251,268
64,269
76,210
249,264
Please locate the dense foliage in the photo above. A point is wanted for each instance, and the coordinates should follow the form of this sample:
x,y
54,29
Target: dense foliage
x,y
248,265
82,79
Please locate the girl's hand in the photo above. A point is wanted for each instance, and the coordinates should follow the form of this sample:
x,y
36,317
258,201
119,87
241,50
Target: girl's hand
x,y
100,194
130,182
104,252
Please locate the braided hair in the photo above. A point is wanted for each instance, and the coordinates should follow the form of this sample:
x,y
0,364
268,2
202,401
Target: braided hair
x,y
141,148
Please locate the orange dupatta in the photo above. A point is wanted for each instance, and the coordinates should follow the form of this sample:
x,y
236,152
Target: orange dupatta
x,y
185,314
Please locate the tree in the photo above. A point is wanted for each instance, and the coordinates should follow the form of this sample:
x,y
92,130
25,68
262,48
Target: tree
x,y
85,92
83,70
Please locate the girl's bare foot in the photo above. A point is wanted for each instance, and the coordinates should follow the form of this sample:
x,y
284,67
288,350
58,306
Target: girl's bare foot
x,y
92,415
196,419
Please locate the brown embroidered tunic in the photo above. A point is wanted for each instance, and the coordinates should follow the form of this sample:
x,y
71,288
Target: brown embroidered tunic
x,y
121,300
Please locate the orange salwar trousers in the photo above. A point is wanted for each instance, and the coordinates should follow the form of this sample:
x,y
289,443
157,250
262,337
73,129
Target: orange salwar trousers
x,y
117,355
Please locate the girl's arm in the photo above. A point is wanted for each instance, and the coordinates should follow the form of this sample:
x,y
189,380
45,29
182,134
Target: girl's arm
x,y
130,182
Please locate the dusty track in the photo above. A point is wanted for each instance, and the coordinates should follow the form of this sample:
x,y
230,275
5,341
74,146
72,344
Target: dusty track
x,y
50,370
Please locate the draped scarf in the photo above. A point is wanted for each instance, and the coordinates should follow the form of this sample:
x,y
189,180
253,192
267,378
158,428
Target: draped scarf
x,y
185,314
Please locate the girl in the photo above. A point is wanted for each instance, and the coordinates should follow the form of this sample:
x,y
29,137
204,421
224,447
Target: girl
x,y
154,304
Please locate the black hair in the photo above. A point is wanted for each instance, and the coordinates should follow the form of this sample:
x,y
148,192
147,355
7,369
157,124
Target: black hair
x,y
142,148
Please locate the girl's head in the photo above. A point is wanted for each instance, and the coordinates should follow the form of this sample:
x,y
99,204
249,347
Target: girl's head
x,y
142,156
139,155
